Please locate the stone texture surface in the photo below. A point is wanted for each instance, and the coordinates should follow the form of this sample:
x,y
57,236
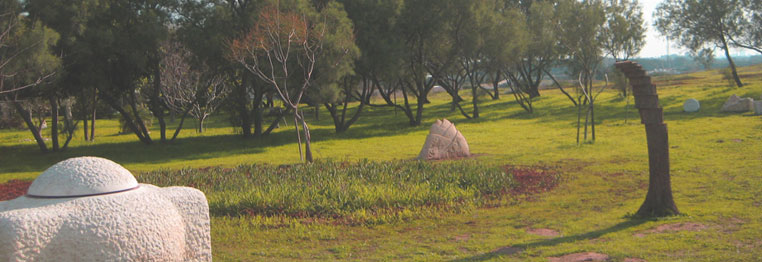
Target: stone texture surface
x,y
444,141
145,224
82,176
758,107
737,104
691,105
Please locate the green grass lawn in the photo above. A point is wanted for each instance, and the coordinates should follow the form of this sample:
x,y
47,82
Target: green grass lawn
x,y
716,163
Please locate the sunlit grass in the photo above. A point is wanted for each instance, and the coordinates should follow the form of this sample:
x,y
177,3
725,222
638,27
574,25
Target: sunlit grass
x,y
716,160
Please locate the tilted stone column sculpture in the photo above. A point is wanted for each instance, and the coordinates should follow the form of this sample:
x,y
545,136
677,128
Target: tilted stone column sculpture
x,y
659,201
92,209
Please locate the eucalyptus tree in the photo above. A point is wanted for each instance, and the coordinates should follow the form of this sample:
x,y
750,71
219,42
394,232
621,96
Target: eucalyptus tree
x,y
112,46
544,49
484,39
583,40
623,36
24,50
27,64
187,89
624,31
751,28
379,67
334,75
505,45
206,28
697,24
426,55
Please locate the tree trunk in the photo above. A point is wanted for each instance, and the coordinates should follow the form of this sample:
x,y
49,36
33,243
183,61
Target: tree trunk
x,y
201,124
533,91
561,88
270,102
579,116
475,100
27,116
69,125
307,139
298,136
730,61
131,122
258,119
242,99
182,121
84,120
92,122
54,123
257,113
162,127
156,106
495,85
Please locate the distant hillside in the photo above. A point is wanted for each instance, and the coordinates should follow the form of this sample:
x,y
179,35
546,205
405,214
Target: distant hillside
x,y
676,64
683,64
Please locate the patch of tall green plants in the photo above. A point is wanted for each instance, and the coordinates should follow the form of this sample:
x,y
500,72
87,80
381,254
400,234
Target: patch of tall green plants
x,y
364,192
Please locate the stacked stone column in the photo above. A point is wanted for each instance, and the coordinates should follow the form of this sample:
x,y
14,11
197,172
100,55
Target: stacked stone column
x,y
659,201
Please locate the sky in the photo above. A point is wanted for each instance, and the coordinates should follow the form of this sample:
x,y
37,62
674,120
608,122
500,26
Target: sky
x,y
656,45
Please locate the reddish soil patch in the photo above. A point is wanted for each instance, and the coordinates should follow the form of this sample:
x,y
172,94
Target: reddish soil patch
x,y
464,237
678,227
506,250
629,259
13,189
579,257
688,226
543,232
533,179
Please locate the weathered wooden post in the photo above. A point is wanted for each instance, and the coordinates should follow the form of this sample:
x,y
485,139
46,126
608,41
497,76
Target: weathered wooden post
x,y
659,201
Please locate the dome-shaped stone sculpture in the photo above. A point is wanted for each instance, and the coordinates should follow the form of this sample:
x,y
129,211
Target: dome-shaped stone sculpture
x,y
691,105
444,141
92,209
82,176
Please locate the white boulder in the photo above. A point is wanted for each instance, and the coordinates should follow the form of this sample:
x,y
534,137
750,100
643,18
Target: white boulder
x,y
737,104
758,107
92,209
691,105
444,141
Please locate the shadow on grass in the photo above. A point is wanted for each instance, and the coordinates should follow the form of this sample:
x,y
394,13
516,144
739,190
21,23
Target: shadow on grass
x,y
559,240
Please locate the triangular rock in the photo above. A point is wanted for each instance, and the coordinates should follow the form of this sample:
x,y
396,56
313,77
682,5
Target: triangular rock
x,y
444,141
737,104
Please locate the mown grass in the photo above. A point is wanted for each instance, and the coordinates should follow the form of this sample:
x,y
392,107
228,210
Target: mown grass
x,y
364,192
716,160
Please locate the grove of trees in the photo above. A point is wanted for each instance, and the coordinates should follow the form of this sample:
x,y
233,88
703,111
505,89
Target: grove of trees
x,y
265,60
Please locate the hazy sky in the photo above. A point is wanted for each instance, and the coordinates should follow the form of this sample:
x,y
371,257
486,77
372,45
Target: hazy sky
x,y
656,45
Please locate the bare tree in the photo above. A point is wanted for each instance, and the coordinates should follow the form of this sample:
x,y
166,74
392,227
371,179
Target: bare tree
x,y
589,94
187,90
282,49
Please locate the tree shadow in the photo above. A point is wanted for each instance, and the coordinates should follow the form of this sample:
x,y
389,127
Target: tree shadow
x,y
559,240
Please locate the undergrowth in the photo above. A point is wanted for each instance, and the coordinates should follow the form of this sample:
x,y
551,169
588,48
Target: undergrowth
x,y
362,192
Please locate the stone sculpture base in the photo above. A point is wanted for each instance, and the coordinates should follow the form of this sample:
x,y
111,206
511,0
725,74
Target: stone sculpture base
x,y
92,209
